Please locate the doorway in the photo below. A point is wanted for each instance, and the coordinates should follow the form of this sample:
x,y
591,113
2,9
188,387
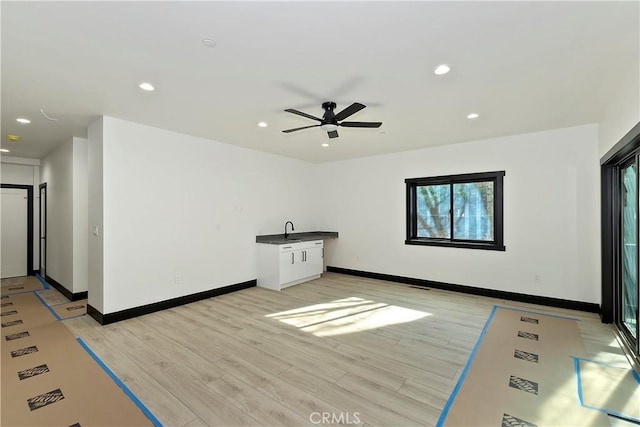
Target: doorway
x,y
43,230
17,230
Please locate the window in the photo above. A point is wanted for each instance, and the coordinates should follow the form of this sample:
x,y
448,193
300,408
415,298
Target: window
x,y
462,211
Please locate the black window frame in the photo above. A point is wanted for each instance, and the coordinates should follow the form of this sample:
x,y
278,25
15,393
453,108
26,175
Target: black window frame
x,y
498,208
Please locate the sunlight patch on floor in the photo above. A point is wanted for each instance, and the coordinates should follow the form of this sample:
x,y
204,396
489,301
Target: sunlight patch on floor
x,y
553,409
347,315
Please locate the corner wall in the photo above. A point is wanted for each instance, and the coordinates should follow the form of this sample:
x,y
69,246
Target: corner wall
x,y
80,215
551,212
622,111
65,172
57,173
181,213
95,255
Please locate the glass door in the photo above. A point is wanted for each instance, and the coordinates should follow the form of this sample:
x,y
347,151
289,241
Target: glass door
x,y
628,317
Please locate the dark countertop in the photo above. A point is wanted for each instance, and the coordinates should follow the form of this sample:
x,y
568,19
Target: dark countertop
x,y
278,239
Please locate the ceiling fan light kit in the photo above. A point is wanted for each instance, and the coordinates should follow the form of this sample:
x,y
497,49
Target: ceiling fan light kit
x,y
330,120
329,127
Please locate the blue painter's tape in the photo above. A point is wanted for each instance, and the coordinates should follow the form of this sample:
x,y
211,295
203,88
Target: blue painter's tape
x,y
576,365
120,384
44,282
47,305
539,313
576,369
456,389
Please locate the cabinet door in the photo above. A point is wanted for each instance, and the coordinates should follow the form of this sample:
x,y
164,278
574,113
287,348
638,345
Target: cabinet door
x,y
288,261
310,262
314,261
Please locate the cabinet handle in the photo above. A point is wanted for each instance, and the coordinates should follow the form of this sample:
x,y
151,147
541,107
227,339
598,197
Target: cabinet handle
x,y
322,252
318,243
304,256
286,247
292,258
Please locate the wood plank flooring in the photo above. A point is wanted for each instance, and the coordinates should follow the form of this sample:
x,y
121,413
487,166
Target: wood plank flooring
x,y
371,352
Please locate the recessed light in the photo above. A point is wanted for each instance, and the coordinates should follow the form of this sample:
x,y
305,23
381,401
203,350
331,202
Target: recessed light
x,y
473,116
209,42
13,137
146,86
325,145
23,120
263,124
3,150
442,69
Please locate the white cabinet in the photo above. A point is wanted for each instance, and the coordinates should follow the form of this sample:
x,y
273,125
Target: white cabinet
x,y
280,266
287,267
312,262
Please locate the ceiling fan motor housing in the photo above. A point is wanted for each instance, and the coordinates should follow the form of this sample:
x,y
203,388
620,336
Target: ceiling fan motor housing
x,y
329,115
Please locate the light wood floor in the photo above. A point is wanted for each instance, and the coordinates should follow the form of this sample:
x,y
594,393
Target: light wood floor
x,y
384,354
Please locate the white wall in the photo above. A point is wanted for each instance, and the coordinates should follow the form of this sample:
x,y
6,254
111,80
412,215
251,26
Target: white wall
x,y
551,226
176,205
622,112
57,173
24,171
172,206
80,215
95,254
65,172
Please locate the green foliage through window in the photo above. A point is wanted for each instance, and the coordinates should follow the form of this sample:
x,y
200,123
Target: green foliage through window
x,y
457,210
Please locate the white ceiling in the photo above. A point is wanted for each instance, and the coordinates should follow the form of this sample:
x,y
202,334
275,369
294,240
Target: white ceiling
x,y
523,66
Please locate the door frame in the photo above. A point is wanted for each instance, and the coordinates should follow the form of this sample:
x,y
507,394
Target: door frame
x,y
43,260
29,189
623,153
619,286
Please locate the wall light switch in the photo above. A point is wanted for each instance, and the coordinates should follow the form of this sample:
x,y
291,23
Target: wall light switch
x,y
95,230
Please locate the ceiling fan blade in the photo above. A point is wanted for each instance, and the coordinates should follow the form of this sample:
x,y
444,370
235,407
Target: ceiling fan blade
x,y
333,134
351,109
300,113
304,127
360,124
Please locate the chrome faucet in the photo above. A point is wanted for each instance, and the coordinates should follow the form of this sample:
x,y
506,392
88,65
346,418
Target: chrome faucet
x,y
285,228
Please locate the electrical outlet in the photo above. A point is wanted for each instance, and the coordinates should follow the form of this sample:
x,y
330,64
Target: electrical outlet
x,y
176,280
537,278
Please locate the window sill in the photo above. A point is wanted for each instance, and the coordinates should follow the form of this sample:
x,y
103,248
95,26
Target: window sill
x,y
457,244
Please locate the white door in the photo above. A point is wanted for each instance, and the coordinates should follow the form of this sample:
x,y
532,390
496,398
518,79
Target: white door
x,y
13,232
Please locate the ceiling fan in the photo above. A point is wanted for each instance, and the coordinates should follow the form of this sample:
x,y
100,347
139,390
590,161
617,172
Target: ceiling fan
x,y
330,120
